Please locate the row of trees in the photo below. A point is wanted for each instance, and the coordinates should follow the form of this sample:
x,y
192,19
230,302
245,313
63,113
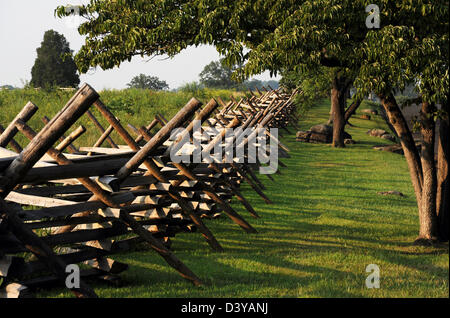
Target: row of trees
x,y
326,36
143,81
214,75
218,74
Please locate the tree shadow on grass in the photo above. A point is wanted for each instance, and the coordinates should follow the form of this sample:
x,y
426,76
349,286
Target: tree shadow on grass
x,y
258,276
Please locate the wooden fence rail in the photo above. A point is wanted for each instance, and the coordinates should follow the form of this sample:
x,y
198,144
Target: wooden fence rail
x,y
61,204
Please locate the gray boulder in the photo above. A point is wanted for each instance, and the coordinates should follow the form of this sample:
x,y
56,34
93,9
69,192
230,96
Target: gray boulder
x,y
376,132
388,137
369,111
303,135
391,148
320,138
322,129
391,193
319,134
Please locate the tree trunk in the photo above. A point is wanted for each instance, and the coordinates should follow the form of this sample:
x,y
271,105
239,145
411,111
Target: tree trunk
x,y
409,147
351,110
338,102
443,187
427,212
330,119
422,170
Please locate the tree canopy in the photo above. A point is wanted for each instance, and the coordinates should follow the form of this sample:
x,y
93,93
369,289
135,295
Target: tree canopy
x,y
267,35
54,65
147,82
273,35
411,45
217,75
260,35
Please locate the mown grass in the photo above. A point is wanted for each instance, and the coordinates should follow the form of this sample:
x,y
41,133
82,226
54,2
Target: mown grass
x,y
326,225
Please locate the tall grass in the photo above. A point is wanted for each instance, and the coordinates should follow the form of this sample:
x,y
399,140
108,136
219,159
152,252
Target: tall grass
x,y
134,106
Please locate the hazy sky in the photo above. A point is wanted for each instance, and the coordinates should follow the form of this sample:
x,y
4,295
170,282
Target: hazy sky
x,y
22,27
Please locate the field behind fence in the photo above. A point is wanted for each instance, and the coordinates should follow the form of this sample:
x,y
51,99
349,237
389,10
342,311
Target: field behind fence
x,y
132,106
326,224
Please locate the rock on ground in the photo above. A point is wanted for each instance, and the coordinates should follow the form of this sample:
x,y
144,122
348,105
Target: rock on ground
x,y
322,129
381,134
376,132
388,137
370,111
392,192
391,148
319,134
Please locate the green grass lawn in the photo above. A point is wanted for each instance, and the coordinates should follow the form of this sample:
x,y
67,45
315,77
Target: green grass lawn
x,y
326,225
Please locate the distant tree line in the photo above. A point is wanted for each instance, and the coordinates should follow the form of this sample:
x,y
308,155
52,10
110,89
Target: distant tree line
x,y
6,87
214,75
218,75
143,81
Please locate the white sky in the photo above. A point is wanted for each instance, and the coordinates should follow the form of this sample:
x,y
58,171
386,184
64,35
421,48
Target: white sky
x,y
22,27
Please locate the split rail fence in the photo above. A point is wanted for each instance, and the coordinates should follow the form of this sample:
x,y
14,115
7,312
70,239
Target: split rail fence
x,y
61,204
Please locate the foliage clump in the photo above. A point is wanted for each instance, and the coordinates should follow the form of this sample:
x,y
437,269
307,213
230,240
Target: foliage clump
x,y
54,65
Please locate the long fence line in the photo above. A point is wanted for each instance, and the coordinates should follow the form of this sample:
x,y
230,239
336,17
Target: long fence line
x,y
61,204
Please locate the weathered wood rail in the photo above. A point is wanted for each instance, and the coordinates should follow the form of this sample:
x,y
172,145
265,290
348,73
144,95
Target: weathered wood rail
x,y
61,204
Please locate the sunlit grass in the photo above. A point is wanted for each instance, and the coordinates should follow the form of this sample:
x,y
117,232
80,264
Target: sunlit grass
x,y
326,225
132,106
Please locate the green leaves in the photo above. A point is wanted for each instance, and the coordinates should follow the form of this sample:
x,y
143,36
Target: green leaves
x,y
54,65
275,35
143,81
